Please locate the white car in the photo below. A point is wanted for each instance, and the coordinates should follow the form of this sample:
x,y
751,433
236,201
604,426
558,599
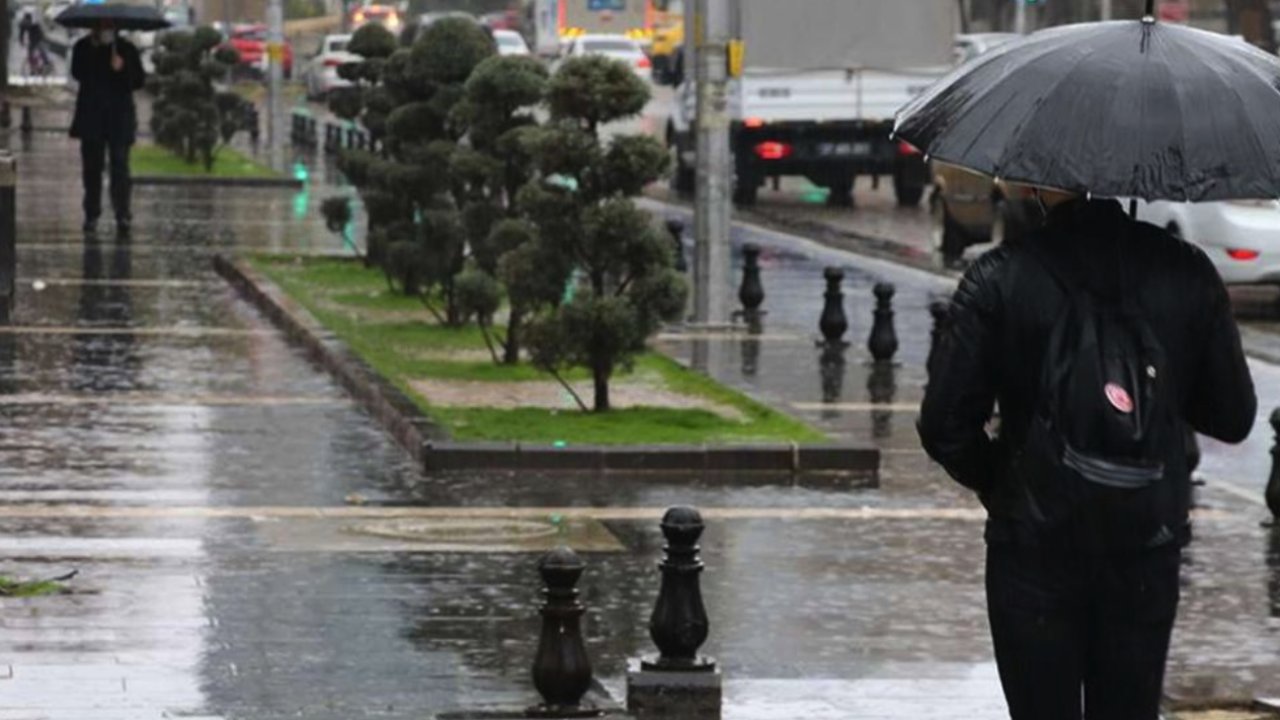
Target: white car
x,y
1241,237
510,42
321,71
618,47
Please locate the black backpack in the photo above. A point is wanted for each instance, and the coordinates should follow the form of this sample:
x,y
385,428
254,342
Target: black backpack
x,y
1103,461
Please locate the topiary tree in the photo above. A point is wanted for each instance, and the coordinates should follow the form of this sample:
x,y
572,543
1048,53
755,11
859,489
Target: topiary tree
x,y
408,101
190,117
498,109
618,267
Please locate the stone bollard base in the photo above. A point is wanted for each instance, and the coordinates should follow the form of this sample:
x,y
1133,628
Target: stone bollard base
x,y
673,695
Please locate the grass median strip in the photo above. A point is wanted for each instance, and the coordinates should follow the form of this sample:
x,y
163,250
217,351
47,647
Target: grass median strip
x,y
155,161
448,373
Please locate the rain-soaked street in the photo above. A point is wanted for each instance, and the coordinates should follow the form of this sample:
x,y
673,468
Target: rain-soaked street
x,y
221,499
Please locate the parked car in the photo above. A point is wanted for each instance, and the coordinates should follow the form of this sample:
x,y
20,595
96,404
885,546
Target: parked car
x,y
251,42
970,46
618,47
1241,237
510,42
384,15
320,74
968,208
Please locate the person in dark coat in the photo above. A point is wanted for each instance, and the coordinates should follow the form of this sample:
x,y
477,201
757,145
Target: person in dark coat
x,y
109,70
1079,626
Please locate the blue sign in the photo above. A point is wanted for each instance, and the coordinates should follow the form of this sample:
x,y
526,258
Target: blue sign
x,y
615,5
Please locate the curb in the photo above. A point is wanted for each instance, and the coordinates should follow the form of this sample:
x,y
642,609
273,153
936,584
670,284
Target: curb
x,y
385,402
180,180
427,443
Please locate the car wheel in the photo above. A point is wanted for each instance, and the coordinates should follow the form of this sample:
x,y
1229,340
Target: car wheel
x,y
945,235
908,193
841,194
684,180
745,191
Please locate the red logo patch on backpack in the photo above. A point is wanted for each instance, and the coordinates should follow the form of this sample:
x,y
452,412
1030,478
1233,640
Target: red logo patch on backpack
x,y
1119,398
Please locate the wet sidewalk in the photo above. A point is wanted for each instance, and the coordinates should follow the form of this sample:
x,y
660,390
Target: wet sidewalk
x,y
164,440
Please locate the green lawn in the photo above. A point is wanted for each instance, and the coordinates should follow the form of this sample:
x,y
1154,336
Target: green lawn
x,y
394,335
153,160
15,588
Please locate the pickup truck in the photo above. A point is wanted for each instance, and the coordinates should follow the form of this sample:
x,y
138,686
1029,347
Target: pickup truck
x,y
829,126
821,83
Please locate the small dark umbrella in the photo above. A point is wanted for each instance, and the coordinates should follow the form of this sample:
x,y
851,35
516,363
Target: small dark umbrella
x,y
1136,109
119,17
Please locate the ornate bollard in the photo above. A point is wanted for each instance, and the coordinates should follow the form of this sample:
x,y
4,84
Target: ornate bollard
x,y
941,312
833,322
882,387
751,347
831,368
561,669
1273,485
678,684
679,622
676,229
751,292
883,342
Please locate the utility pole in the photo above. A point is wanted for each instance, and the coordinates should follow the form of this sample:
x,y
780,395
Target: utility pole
x,y
1106,9
713,28
1020,17
275,97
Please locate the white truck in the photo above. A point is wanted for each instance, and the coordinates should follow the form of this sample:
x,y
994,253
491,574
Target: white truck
x,y
822,81
556,22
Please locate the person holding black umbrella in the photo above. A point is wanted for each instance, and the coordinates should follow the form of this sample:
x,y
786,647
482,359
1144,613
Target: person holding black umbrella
x,y
109,70
1100,339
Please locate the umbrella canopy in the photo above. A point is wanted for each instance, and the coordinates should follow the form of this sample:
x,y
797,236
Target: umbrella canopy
x,y
120,17
1116,109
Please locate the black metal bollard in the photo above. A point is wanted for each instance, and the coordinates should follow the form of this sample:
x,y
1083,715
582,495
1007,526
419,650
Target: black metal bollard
x,y
751,292
1273,485
831,367
561,669
26,125
882,387
883,342
312,134
941,312
833,322
676,229
8,233
679,624
751,346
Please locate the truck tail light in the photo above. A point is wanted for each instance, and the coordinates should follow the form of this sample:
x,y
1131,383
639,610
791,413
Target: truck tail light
x,y
643,63
753,122
772,150
1243,255
906,148
332,62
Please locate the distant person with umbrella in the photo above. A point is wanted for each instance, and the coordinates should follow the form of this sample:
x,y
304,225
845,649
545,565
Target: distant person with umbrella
x,y
109,70
1101,339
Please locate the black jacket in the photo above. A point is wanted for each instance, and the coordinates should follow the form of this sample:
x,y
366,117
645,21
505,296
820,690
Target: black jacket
x,y
1004,310
104,103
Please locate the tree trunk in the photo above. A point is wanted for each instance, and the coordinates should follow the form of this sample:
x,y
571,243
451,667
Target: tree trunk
x,y
600,372
962,7
511,353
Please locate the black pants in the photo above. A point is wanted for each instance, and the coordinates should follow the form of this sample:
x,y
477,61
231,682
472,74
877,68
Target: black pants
x,y
1081,635
93,154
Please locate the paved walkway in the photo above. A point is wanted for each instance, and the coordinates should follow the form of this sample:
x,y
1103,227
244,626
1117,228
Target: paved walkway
x,y
227,507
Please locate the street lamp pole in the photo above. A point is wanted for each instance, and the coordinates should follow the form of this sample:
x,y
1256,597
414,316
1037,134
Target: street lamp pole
x,y
712,212
1020,17
1106,9
275,98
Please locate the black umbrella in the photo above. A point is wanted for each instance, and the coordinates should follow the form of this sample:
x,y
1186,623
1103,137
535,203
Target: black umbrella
x,y
120,17
1117,109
